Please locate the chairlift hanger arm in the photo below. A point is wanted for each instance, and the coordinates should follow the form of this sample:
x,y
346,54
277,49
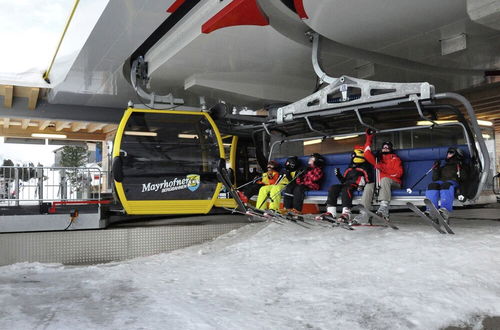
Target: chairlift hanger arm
x,y
360,119
139,71
365,92
420,112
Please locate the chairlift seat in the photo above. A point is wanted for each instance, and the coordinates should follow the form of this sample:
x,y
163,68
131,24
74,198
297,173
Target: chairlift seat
x,y
416,162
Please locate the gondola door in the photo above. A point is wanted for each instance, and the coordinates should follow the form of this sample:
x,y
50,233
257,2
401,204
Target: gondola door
x,y
165,162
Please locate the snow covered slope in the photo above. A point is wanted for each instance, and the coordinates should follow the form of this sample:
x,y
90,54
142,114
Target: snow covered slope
x,y
270,276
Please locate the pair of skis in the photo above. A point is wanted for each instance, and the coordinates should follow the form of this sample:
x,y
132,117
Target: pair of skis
x,y
434,214
333,222
373,215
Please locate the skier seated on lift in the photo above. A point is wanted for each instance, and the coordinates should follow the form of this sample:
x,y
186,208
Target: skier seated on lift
x,y
267,179
293,199
446,180
273,192
390,168
356,176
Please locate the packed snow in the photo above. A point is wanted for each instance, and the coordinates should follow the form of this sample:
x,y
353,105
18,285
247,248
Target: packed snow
x,y
271,276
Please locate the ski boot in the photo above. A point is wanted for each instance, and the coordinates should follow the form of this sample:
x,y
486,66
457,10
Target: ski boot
x,y
383,210
327,216
295,215
346,216
242,196
362,218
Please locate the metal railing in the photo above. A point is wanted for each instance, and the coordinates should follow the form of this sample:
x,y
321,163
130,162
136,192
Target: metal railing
x,y
30,185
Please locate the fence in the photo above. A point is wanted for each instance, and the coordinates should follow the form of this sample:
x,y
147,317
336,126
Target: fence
x,y
29,185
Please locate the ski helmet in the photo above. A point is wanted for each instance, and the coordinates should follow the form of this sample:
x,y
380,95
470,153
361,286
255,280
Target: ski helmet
x,y
357,156
390,147
273,164
292,163
319,161
455,152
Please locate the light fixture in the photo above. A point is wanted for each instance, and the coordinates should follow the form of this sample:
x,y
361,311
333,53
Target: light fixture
x,y
316,141
140,133
484,122
430,123
486,136
345,137
49,136
187,136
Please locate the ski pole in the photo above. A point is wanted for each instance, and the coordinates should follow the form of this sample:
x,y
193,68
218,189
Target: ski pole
x,y
279,192
249,182
410,190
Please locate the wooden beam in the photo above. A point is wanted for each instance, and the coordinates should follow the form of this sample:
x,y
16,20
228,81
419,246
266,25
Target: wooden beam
x,y
92,127
17,131
33,98
8,93
76,126
43,124
25,123
109,128
60,125
6,122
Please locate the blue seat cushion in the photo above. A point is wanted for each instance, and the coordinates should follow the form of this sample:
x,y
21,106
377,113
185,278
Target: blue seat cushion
x,y
416,162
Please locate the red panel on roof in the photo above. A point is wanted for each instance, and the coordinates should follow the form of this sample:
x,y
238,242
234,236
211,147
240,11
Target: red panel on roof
x,y
299,7
175,6
238,12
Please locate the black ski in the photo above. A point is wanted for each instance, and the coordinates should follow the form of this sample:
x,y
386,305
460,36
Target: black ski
x,y
289,218
333,222
436,214
266,213
223,176
261,216
422,215
379,218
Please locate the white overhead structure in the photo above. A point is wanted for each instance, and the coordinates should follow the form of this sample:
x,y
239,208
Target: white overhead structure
x,y
252,65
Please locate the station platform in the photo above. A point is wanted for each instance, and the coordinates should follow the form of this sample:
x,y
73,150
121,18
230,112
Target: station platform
x,y
115,243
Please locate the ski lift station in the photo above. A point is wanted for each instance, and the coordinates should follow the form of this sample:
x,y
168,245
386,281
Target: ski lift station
x,y
177,105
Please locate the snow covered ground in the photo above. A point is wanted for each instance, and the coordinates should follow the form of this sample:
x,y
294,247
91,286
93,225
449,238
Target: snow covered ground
x,y
270,276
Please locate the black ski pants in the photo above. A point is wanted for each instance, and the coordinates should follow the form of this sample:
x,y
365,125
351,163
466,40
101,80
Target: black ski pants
x,y
294,196
346,191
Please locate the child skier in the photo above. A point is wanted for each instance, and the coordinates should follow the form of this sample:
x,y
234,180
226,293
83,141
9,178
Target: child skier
x,y
286,181
293,199
446,179
268,182
356,176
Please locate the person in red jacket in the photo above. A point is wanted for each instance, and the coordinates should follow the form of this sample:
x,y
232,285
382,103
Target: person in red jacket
x,y
390,169
308,180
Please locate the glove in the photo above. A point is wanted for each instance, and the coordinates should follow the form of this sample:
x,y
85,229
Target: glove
x,y
461,198
437,164
369,136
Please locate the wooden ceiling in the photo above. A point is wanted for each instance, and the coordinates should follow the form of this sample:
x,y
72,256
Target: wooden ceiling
x,y
485,100
88,131
25,127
